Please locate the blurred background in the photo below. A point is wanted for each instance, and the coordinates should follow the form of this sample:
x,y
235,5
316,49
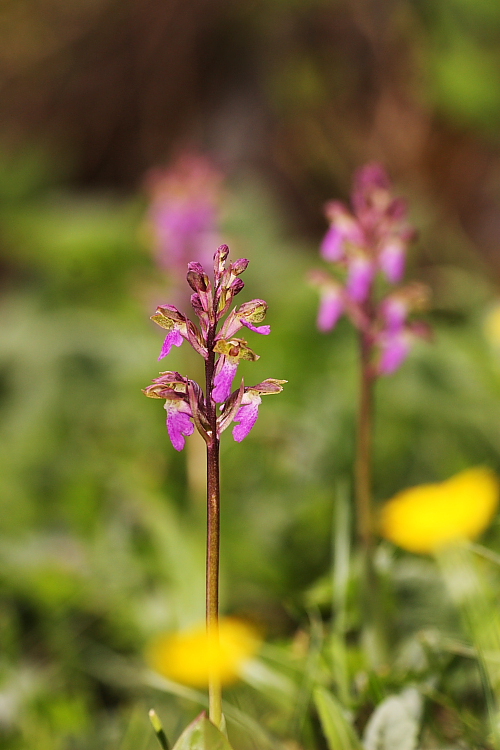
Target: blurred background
x,y
102,522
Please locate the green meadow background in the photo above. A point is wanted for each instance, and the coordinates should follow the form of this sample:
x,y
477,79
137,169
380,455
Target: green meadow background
x,y
102,522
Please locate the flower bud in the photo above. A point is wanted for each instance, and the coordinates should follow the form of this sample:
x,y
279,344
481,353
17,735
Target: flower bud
x,y
197,278
236,287
237,268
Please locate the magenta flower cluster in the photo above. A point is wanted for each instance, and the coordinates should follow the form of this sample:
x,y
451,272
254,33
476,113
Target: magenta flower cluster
x,y
366,244
184,212
214,339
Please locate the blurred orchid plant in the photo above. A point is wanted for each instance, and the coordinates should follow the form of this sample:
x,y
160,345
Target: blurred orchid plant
x,y
366,247
183,215
365,244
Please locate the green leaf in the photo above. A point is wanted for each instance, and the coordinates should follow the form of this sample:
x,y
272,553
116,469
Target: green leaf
x,y
157,726
202,735
337,728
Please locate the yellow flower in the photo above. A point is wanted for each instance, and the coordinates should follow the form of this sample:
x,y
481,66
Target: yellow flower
x,y
189,656
492,326
424,518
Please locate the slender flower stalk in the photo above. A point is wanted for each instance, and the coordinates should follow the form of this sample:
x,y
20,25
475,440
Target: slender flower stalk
x,y
367,248
188,407
363,465
213,529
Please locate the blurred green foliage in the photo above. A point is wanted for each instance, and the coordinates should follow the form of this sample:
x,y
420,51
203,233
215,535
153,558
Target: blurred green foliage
x,y
102,539
102,522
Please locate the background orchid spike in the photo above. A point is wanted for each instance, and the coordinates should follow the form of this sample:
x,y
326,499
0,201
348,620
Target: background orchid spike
x,y
366,244
186,404
184,211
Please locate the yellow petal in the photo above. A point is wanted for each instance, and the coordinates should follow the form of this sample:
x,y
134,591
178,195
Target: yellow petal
x,y
424,518
190,656
492,326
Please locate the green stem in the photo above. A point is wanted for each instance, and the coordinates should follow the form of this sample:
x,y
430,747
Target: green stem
x,y
213,536
160,734
372,605
363,468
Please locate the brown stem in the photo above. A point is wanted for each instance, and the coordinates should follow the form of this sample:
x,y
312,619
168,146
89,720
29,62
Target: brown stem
x,y
213,535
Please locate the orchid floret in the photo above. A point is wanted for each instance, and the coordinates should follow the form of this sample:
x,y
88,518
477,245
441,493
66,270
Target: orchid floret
x,y
247,415
178,419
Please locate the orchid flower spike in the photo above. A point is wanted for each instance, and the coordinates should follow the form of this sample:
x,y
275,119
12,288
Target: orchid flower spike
x,y
366,246
214,339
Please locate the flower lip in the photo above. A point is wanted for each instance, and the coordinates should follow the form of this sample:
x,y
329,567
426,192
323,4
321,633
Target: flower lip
x,y
263,330
360,277
247,314
246,416
395,347
173,338
223,379
179,416
331,307
392,260
332,246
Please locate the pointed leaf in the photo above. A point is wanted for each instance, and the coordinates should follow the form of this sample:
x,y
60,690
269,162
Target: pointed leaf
x,y
337,728
202,735
159,731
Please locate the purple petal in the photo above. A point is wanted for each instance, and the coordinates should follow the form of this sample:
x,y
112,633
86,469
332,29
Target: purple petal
x,y
331,308
264,330
394,311
246,416
178,424
332,247
173,338
367,181
392,261
395,349
223,381
361,272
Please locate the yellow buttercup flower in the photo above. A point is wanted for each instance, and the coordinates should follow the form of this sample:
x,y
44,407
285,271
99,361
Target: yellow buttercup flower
x,y
492,326
189,656
424,518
